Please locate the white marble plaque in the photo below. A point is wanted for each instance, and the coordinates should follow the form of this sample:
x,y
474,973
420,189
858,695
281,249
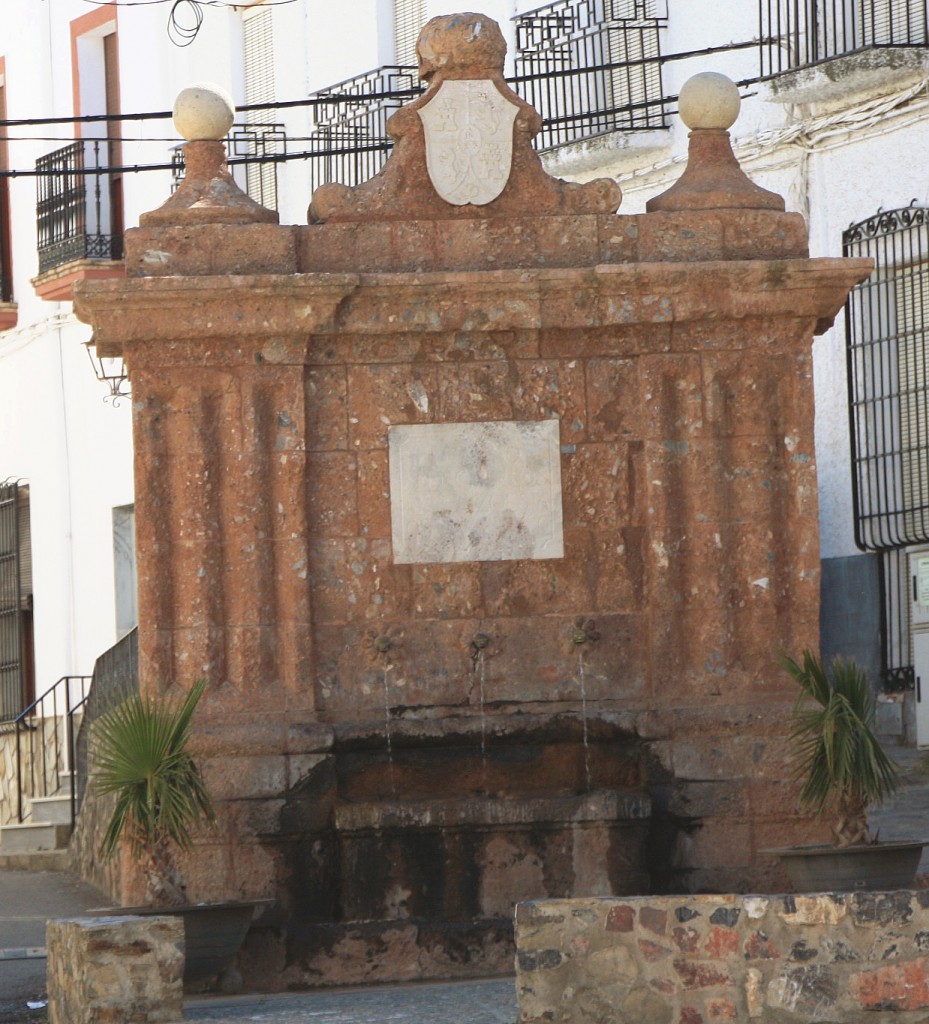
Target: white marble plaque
x,y
475,492
468,126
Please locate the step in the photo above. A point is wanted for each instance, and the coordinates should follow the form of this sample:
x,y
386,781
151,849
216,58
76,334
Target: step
x,y
31,838
50,810
38,860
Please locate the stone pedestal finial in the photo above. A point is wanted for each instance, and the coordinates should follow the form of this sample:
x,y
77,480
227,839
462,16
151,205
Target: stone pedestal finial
x,y
713,180
203,114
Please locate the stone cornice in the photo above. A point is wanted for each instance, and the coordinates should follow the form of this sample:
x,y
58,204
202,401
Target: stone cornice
x,y
166,309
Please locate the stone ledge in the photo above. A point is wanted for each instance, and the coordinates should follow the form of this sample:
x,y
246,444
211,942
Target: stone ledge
x,y
293,309
837,83
554,811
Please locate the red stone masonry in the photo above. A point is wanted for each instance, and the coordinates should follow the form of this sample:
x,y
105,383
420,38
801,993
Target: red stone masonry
x,y
673,348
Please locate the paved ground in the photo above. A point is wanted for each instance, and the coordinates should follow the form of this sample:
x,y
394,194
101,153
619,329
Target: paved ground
x,y
472,1002
28,899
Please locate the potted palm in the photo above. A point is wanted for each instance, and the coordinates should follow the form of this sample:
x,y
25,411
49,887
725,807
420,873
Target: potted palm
x,y
842,767
140,756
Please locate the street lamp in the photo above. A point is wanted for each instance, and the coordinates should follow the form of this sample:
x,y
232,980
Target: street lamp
x,y
110,370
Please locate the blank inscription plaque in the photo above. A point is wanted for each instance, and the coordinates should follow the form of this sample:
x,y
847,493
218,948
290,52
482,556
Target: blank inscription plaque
x,y
475,492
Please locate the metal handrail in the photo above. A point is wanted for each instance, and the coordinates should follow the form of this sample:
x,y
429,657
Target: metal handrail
x,y
39,769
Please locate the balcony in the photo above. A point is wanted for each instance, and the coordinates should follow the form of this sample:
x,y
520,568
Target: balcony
x,y
815,50
350,142
591,67
79,218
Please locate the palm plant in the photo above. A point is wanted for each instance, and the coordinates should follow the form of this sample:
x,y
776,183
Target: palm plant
x,y
839,757
139,750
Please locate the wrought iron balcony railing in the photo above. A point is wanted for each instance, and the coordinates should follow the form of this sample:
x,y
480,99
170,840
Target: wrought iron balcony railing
x,y
350,141
79,208
591,67
797,33
588,66
253,153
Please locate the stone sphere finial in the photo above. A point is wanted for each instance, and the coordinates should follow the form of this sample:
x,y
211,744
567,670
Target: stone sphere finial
x,y
203,111
709,100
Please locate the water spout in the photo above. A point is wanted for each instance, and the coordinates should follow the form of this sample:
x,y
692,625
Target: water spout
x,y
478,648
583,633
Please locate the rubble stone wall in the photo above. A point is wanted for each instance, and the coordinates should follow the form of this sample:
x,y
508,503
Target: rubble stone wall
x,y
851,957
115,969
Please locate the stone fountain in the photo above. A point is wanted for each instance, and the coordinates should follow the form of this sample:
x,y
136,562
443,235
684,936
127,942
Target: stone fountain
x,y
485,511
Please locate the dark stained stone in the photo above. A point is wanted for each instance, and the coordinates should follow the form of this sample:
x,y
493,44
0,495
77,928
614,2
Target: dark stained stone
x,y
726,916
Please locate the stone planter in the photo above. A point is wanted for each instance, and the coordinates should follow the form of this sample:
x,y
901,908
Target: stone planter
x,y
890,865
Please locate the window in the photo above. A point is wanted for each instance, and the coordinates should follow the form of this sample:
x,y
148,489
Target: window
x,y
17,678
887,344
80,193
124,571
887,324
591,67
258,138
409,18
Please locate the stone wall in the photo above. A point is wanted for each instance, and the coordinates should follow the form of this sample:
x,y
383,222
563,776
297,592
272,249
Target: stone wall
x,y
857,958
42,751
117,970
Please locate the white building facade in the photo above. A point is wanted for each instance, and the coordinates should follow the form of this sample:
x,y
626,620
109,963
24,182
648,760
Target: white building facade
x,y
835,118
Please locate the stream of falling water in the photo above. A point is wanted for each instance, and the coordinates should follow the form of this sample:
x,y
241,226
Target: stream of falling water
x,y
480,681
583,684
390,749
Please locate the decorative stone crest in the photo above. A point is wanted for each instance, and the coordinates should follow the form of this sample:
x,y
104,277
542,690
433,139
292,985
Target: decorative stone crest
x,y
468,128
464,149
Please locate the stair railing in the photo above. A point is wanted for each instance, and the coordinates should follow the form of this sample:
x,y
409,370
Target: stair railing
x,y
45,734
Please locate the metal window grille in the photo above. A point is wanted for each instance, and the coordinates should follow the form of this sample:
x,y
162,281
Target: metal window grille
x,y
409,18
74,215
592,66
797,33
350,142
257,139
887,324
15,600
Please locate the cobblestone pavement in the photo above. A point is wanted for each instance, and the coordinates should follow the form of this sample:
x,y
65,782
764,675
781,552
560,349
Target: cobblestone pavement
x,y
467,1002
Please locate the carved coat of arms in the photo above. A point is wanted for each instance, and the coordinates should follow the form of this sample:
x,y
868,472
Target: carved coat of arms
x,y
469,141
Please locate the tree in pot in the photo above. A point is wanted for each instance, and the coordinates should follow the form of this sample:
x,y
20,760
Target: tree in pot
x,y
839,757
841,766
140,754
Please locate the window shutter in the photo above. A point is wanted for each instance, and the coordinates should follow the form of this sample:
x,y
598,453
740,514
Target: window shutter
x,y
15,597
409,18
261,137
